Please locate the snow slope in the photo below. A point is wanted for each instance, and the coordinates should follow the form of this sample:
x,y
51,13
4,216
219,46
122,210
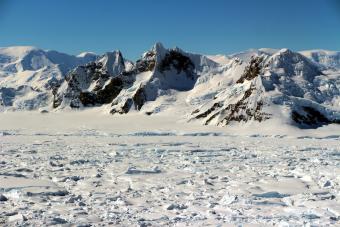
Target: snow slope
x,y
220,59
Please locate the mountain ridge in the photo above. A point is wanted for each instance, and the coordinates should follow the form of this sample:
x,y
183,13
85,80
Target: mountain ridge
x,y
254,85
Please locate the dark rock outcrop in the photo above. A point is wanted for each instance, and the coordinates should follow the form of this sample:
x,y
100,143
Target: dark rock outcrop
x,y
125,108
96,83
146,63
178,61
243,110
139,98
252,70
309,117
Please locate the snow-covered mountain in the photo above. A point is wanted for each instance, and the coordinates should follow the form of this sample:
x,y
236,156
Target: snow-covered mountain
x,y
284,85
256,85
326,58
28,74
92,84
125,89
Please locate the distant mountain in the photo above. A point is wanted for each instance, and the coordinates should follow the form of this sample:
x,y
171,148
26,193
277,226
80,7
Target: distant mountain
x,y
301,89
26,58
28,74
326,58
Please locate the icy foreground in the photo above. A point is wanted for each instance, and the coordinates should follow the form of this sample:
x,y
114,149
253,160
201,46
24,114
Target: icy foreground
x,y
86,168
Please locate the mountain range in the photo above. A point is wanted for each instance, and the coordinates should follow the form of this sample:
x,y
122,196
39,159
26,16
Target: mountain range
x,y
297,88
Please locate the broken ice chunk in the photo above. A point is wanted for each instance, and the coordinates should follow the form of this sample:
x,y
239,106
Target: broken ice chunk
x,y
3,198
134,170
271,195
177,207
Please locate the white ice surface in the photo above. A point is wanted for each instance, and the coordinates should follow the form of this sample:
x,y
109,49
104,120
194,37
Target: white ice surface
x,y
87,167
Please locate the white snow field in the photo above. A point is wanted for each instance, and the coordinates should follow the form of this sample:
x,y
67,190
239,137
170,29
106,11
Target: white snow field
x,y
87,168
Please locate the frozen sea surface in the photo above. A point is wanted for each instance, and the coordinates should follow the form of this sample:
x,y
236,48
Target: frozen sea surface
x,y
83,169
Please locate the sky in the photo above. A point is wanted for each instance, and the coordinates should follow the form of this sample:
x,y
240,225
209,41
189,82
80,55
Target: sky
x,y
201,26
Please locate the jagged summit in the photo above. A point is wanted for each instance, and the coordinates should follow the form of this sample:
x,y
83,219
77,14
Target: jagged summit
x,y
255,85
159,50
113,62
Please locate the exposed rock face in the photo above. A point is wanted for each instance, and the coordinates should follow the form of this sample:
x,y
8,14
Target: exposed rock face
x,y
139,98
102,94
111,89
243,111
253,70
57,99
146,63
96,83
235,107
122,107
178,61
309,117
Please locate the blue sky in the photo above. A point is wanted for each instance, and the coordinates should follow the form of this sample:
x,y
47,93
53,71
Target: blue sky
x,y
203,26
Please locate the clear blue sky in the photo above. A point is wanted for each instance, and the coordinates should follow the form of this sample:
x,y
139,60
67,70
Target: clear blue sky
x,y
204,26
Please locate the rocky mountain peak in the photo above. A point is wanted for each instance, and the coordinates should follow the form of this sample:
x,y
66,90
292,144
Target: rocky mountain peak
x,y
159,51
293,64
252,70
112,63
